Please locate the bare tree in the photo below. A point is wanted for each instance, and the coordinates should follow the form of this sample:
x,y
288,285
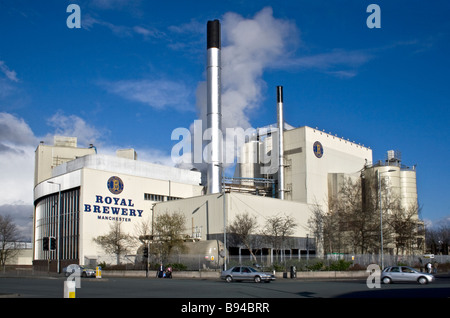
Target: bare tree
x,y
9,236
244,227
354,221
438,238
115,241
277,229
404,226
355,224
317,224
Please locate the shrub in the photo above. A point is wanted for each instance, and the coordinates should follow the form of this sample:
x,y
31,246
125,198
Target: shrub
x,y
102,265
177,266
315,267
340,265
278,267
357,267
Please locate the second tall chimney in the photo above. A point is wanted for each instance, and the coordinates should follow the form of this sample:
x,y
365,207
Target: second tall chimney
x,y
280,118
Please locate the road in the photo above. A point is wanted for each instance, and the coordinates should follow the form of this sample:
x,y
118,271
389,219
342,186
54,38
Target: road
x,y
53,287
176,294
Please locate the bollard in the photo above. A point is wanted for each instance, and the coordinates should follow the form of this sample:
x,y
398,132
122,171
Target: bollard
x,y
69,289
98,272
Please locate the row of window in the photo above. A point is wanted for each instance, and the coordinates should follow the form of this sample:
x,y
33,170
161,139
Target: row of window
x,y
49,214
158,197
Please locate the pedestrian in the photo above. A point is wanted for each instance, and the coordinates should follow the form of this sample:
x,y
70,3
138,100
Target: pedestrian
x,y
429,267
169,272
160,270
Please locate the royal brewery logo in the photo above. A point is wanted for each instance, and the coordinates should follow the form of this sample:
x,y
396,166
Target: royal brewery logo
x,y
115,185
318,149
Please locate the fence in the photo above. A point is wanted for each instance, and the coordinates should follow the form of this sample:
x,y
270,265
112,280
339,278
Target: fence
x,y
202,262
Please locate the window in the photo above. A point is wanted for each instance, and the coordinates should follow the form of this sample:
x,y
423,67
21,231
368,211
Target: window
x,y
407,270
153,197
158,197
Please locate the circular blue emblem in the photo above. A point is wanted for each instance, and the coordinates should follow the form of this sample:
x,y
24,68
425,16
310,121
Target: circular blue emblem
x,y
318,149
115,185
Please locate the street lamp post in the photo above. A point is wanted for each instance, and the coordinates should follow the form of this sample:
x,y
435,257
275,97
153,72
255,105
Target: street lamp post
x,y
224,220
381,215
58,260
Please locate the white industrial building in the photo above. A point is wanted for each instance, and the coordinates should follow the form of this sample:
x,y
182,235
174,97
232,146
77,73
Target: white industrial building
x,y
95,191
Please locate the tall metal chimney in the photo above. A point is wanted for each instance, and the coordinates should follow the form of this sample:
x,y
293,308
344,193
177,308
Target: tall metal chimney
x,y
214,112
280,118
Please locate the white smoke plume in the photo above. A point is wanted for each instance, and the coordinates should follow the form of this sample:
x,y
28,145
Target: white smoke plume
x,y
249,47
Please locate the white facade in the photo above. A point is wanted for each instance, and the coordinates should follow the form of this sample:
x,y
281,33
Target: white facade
x,y
96,191
321,154
310,156
205,215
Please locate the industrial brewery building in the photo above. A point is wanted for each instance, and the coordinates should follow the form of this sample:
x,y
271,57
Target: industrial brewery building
x,y
97,190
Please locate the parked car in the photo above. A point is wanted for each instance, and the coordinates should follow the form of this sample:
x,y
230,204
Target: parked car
x,y
84,272
398,274
239,273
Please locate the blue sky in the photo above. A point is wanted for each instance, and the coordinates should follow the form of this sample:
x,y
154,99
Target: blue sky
x,y
132,74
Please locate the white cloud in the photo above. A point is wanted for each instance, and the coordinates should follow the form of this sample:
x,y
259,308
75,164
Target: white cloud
x,y
22,216
17,146
74,126
89,22
11,75
159,94
17,171
338,62
14,132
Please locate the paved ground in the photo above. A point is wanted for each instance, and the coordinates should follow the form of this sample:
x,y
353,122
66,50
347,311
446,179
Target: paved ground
x,y
53,287
213,297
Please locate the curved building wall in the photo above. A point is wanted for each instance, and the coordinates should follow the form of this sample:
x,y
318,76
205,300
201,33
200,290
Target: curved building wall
x,y
408,188
399,182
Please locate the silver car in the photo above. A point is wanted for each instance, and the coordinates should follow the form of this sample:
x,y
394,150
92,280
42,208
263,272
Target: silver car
x,y
394,274
238,273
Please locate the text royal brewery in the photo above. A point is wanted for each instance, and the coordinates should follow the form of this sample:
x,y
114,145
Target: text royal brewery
x,y
114,209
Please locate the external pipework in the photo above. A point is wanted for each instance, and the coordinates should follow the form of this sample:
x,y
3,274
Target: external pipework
x,y
280,119
214,112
